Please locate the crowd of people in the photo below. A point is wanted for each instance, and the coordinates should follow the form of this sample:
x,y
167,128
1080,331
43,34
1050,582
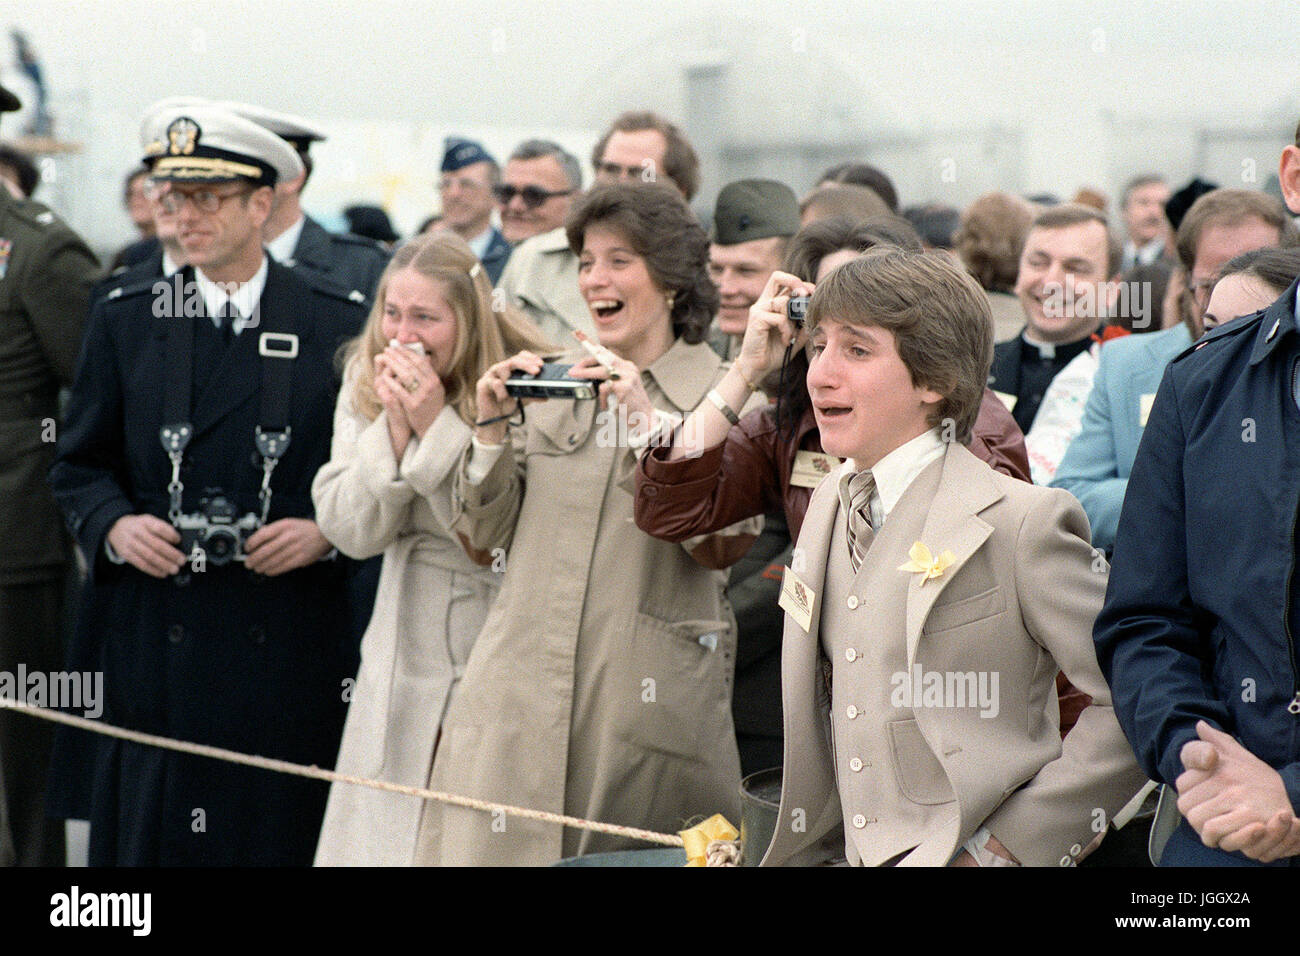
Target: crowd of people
x,y
574,503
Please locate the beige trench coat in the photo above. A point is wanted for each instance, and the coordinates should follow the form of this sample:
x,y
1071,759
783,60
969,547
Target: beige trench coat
x,y
601,684
430,606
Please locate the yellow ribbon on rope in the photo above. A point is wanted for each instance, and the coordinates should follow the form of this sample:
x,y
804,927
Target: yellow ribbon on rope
x,y
699,838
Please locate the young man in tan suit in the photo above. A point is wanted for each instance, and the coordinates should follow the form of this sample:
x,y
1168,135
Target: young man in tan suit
x,y
920,712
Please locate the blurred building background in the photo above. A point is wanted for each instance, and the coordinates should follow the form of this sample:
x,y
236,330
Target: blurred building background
x,y
950,99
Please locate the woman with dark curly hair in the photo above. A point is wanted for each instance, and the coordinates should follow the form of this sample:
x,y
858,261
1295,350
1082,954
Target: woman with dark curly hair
x,y
600,685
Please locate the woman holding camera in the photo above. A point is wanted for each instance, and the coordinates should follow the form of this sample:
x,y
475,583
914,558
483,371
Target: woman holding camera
x,y
404,417
772,459
600,686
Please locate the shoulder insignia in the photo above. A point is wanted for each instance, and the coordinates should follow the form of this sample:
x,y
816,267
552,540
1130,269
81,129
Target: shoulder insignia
x,y
45,218
356,296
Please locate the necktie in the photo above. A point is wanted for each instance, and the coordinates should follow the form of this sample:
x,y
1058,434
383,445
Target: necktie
x,y
861,486
227,317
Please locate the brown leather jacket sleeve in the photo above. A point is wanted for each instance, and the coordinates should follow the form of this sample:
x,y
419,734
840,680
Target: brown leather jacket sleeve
x,y
998,440
676,500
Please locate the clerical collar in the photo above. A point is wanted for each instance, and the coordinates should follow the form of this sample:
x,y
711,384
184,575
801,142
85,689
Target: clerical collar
x,y
1046,350
1053,352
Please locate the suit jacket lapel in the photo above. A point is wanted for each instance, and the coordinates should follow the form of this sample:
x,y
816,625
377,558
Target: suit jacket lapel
x,y
966,488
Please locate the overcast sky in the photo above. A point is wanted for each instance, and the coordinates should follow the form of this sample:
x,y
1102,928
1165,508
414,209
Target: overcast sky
x,y
803,70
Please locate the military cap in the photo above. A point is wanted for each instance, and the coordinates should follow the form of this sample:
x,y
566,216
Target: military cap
x,y
205,143
153,135
295,130
754,209
459,153
8,102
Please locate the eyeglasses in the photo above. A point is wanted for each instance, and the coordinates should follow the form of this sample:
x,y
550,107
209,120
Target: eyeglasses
x,y
532,196
204,200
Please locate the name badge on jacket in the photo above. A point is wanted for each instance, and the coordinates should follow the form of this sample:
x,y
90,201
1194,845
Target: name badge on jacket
x,y
811,467
797,599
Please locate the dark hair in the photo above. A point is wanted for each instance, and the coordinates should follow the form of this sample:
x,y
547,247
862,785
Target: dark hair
x,y
1275,267
992,236
661,228
804,255
1156,276
1230,207
681,165
1072,214
939,317
936,224
863,174
541,148
29,177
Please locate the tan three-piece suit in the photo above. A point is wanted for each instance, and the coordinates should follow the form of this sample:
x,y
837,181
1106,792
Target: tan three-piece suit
x,y
909,777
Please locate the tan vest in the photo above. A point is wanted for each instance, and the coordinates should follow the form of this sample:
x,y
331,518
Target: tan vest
x,y
893,792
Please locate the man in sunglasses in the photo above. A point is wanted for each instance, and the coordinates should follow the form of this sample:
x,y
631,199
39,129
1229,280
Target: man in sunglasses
x,y
540,182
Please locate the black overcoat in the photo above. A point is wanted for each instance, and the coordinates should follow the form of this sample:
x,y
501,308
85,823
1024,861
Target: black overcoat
x,y
219,656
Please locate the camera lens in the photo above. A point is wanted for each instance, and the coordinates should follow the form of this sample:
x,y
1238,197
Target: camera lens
x,y
220,546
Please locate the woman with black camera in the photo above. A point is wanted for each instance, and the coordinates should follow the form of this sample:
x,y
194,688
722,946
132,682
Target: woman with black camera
x,y
403,418
600,686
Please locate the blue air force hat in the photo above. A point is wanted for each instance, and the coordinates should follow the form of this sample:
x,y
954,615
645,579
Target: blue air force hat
x,y
459,153
204,143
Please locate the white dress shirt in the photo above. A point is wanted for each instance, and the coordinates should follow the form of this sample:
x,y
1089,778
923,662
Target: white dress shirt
x,y
895,472
246,297
282,246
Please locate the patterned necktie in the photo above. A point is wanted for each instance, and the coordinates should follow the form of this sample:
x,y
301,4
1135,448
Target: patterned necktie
x,y
861,486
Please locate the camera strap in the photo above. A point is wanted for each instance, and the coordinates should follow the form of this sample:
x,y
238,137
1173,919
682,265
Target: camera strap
x,y
277,347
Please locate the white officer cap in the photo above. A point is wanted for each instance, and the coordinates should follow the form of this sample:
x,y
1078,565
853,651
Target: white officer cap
x,y
203,142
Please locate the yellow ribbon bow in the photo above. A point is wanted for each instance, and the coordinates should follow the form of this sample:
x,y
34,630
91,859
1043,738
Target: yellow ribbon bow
x,y
697,839
926,565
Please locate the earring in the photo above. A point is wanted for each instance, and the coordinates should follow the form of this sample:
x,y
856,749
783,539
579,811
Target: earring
x,y
670,298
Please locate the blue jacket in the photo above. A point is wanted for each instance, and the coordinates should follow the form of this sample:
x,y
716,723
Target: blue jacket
x,y
1201,610
1096,466
494,259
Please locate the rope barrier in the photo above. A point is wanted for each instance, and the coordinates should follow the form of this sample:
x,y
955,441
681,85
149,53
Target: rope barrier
x,y
333,776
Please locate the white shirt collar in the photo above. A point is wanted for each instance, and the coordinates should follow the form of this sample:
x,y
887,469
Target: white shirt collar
x,y
282,246
479,244
169,265
246,297
896,471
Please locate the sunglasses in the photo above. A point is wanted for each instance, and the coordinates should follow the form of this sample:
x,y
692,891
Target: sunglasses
x,y
532,196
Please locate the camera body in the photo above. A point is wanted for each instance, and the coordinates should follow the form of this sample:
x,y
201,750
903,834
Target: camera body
x,y
552,381
796,310
216,529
